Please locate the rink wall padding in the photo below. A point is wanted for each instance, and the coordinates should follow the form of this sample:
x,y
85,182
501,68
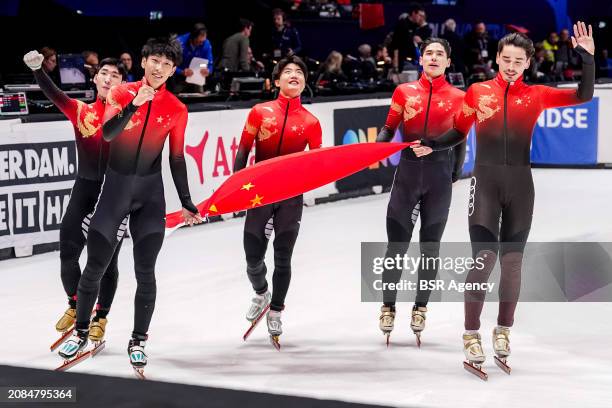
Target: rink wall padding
x,y
38,159
102,391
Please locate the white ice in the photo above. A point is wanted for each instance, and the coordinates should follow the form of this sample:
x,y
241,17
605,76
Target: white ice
x,y
332,347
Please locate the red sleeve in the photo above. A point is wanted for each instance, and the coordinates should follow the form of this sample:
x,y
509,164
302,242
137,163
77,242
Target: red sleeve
x,y
251,128
554,97
394,117
315,136
115,102
465,117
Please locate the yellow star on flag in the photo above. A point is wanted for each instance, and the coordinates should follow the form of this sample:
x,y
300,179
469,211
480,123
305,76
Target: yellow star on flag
x,y
248,186
213,208
256,200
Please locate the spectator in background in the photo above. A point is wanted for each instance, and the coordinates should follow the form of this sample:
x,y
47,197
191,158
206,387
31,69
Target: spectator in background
x,y
91,63
256,67
477,45
456,44
383,61
367,64
128,63
234,56
565,57
540,68
550,46
409,32
330,73
285,39
49,64
604,65
194,44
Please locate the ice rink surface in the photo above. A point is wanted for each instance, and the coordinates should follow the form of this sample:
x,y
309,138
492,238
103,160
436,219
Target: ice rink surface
x,y
331,346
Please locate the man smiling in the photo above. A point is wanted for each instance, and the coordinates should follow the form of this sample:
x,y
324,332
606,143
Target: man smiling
x,y
280,127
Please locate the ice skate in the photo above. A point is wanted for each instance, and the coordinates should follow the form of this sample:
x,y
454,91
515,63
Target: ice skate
x,y
472,348
97,329
138,357
387,321
73,351
259,307
417,322
501,346
66,321
275,327
64,325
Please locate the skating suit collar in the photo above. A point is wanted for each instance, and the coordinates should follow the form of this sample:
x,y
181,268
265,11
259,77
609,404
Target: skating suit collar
x,y
436,84
294,103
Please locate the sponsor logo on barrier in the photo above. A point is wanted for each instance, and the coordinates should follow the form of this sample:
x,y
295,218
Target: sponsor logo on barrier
x,y
37,163
558,129
28,207
220,165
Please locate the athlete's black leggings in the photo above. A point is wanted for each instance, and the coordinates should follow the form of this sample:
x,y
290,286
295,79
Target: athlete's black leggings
x,y
142,198
284,219
73,236
500,212
420,187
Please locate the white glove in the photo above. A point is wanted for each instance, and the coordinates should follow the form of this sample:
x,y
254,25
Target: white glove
x,y
33,59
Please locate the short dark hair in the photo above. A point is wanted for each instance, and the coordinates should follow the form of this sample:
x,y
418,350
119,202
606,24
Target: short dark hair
x,y
168,47
87,53
289,59
244,23
116,63
277,11
415,7
47,52
434,40
517,40
197,30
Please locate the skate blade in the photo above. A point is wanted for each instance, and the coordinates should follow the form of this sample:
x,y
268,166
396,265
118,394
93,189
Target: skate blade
x,y
388,336
80,357
502,363
275,342
476,369
139,373
254,323
98,347
62,339
418,339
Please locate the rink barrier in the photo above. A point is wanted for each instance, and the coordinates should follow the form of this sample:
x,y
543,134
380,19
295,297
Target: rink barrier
x,y
35,185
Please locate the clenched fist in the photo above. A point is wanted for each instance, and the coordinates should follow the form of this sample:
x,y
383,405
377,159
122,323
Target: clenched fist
x,y
33,60
145,94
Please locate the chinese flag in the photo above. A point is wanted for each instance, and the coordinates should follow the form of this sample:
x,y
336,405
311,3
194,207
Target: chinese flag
x,y
288,176
371,16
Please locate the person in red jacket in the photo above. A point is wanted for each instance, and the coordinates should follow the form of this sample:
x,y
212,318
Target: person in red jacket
x,y
422,109
92,150
505,111
279,127
138,118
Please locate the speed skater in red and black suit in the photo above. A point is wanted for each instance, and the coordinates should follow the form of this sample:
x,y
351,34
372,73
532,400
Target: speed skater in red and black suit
x,y
279,127
92,150
423,109
138,119
505,111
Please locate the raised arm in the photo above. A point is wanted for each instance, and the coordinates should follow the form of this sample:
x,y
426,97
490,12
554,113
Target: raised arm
x,y
66,105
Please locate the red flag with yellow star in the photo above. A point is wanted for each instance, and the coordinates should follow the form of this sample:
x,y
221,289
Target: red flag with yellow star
x,y
287,176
